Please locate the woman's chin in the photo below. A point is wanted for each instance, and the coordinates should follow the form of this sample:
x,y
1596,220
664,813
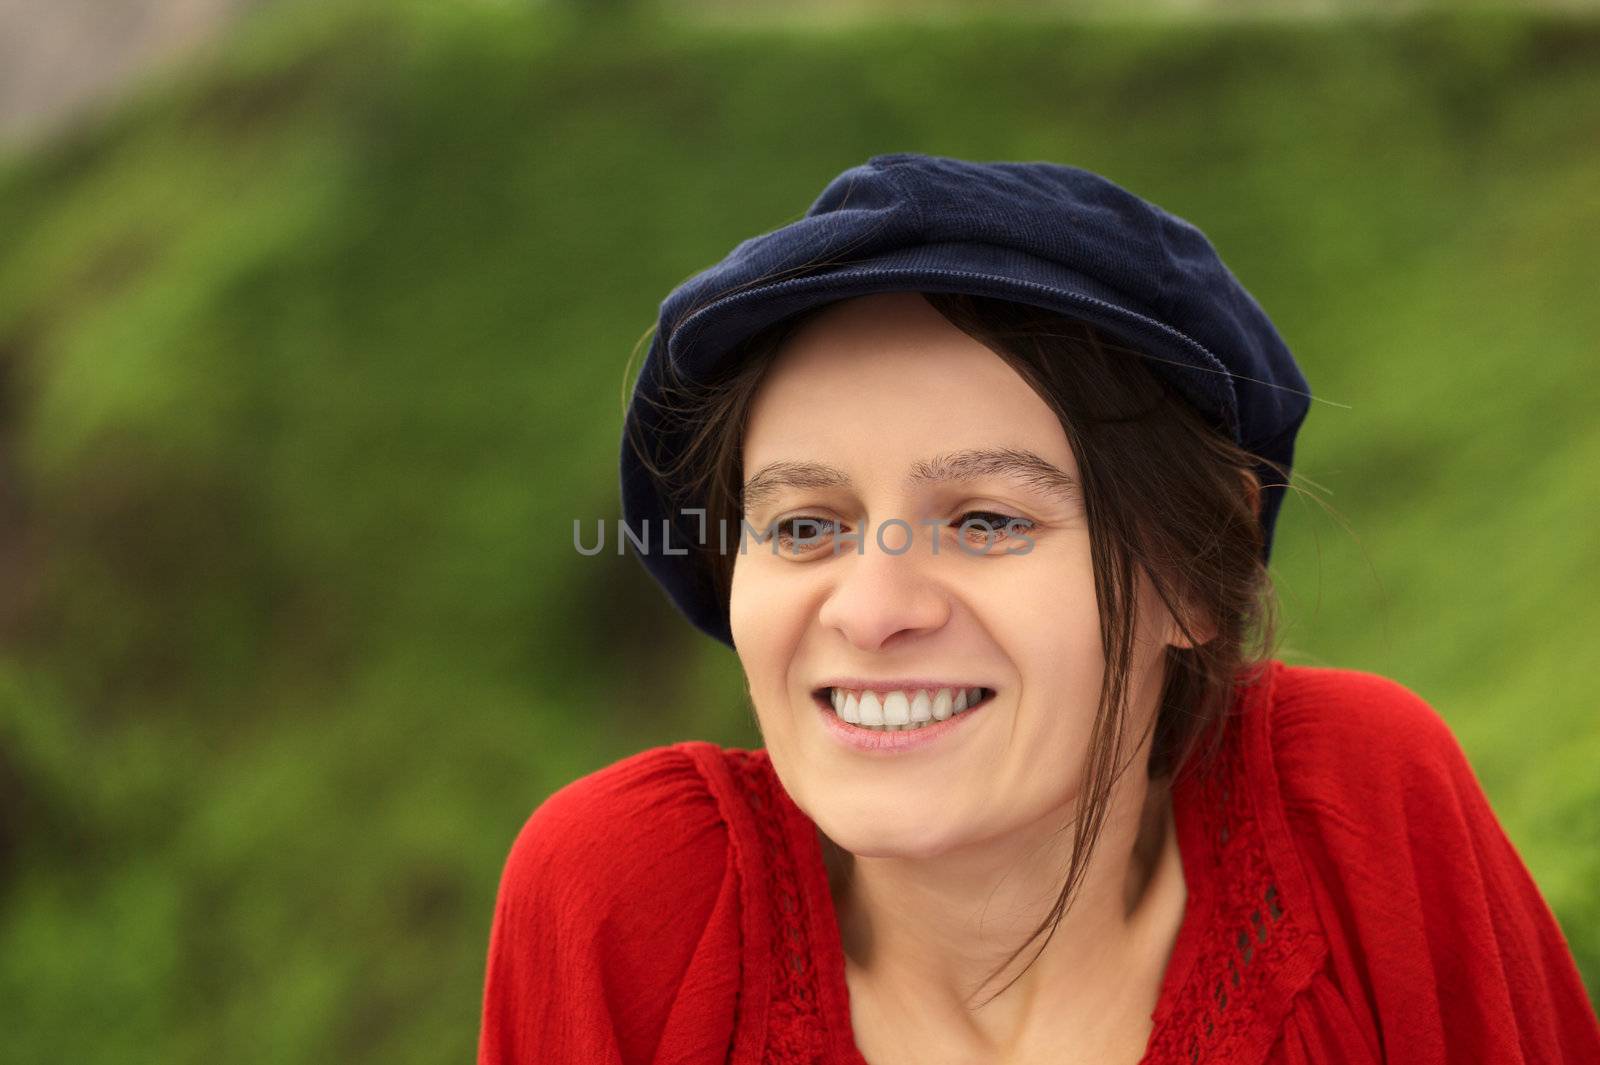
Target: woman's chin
x,y
871,836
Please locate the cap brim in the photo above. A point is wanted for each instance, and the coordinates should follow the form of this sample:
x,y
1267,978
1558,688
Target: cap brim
x,y
702,340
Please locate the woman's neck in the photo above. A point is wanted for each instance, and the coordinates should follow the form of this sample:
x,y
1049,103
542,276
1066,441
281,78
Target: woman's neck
x,y
918,948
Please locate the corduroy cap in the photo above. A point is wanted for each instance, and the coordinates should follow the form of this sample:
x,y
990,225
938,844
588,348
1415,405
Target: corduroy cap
x,y
1044,234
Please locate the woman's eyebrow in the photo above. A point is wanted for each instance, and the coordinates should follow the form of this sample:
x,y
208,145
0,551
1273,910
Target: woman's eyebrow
x,y
1017,464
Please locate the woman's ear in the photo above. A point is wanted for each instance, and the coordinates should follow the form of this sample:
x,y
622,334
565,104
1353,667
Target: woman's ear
x,y
1203,629
1172,631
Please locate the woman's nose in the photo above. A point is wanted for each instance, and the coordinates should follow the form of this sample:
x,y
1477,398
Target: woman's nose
x,y
878,594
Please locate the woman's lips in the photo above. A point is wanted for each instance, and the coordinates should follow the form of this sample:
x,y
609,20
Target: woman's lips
x,y
881,741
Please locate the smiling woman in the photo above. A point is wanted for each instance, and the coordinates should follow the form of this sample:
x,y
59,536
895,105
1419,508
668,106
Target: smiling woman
x,y
1013,442
1027,781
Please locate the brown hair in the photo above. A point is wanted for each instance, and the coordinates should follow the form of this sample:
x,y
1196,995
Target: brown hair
x,y
1164,491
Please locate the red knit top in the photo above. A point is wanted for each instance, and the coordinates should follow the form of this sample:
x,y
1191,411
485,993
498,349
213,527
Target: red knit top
x,y
1351,899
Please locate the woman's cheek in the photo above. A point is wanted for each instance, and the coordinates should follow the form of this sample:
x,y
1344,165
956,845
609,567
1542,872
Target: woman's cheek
x,y
763,636
1050,591
745,620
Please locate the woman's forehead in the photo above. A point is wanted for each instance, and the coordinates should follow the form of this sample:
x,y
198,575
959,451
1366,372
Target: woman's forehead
x,y
876,358
881,382
883,321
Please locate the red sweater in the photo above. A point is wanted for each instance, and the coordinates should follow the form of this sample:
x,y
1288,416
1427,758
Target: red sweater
x,y
1351,899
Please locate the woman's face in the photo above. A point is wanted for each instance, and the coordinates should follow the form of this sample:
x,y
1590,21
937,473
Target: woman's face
x,y
881,389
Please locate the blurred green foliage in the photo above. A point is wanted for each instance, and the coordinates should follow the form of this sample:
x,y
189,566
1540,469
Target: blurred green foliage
x,y
311,354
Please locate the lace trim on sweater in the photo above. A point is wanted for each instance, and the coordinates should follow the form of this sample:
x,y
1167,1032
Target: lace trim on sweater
x,y
796,1032
1254,944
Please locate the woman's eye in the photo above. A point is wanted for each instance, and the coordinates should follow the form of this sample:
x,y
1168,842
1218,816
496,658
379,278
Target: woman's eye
x,y
991,527
803,531
988,527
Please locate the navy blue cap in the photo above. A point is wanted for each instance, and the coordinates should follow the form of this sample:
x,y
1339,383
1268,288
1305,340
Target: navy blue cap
x,y
1044,234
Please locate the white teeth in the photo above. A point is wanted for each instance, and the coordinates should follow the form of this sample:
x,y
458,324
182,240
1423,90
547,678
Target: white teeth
x,y
922,707
902,710
851,710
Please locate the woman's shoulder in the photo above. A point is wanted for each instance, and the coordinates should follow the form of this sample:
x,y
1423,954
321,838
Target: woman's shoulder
x,y
1364,786
649,819
1345,738
1434,922
1326,699
617,918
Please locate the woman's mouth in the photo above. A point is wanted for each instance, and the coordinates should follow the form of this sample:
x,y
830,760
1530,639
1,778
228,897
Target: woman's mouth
x,y
898,719
900,710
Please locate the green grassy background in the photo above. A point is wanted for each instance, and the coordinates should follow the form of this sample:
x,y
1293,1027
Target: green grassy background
x,y
311,352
